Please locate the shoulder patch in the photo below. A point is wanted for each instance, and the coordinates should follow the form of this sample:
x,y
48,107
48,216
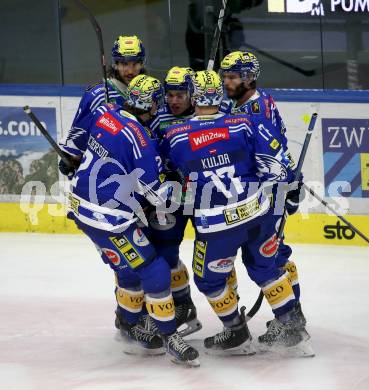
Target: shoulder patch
x,y
126,114
255,107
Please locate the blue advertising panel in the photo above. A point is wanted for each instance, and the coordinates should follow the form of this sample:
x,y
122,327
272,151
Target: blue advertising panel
x,y
346,154
25,155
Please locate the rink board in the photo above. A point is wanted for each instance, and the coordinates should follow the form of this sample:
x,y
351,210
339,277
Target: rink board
x,y
337,162
310,228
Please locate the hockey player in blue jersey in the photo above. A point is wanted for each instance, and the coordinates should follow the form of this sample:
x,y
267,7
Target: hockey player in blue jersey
x,y
239,72
227,160
178,106
167,237
128,59
118,175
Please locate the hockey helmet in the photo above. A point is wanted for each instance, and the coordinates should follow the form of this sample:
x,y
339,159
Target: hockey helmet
x,y
128,48
143,91
179,79
244,63
208,89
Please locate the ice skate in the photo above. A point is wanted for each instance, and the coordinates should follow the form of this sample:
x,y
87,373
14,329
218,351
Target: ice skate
x,y
186,319
231,341
138,340
288,339
179,351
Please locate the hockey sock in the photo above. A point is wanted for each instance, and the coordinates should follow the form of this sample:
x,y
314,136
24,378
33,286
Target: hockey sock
x,y
291,268
130,303
279,294
232,280
224,304
180,283
161,308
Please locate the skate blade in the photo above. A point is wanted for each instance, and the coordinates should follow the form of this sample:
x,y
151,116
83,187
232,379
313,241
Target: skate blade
x,y
245,349
190,327
186,363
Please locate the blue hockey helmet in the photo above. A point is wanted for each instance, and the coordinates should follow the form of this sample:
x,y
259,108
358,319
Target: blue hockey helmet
x,y
128,48
208,90
244,63
143,91
179,79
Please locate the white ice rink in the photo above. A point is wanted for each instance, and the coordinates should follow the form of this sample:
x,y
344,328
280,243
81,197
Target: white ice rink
x,y
56,322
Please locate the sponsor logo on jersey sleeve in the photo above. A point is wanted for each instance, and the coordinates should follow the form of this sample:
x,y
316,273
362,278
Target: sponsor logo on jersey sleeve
x,y
203,138
178,129
236,120
113,256
138,133
109,123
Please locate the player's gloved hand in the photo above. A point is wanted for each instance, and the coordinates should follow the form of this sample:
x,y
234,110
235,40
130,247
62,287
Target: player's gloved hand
x,y
69,170
295,196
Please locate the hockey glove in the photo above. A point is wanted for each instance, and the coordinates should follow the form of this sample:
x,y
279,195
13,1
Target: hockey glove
x,y
69,170
295,196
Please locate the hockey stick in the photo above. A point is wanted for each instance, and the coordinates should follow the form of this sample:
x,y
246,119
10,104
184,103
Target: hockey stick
x,y
53,144
98,31
218,30
344,220
305,146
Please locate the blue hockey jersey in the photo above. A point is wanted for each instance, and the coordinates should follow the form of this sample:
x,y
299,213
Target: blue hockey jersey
x,y
120,168
93,97
264,111
225,158
163,119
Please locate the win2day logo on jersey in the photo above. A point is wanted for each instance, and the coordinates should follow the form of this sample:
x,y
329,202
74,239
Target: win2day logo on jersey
x,y
202,138
346,155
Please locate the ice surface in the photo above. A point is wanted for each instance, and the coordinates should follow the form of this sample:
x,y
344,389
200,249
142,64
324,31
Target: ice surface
x,y
57,312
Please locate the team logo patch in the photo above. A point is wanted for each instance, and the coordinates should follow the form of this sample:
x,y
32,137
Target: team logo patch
x,y
255,107
139,238
109,123
221,266
269,247
200,139
113,256
274,144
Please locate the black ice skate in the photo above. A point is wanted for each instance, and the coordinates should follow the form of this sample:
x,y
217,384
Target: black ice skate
x,y
179,351
138,340
231,341
290,338
186,318
299,317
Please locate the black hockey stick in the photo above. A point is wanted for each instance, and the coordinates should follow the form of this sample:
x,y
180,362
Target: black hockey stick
x,y
218,30
51,141
344,220
307,73
304,149
98,31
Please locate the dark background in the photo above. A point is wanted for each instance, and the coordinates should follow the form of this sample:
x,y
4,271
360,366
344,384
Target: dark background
x,y
53,42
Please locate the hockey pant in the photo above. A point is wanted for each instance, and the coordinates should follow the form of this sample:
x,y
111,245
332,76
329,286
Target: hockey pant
x,y
166,234
141,275
213,258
